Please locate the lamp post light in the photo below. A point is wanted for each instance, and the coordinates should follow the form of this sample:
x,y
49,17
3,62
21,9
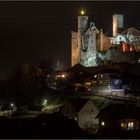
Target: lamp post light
x,y
44,103
109,90
12,106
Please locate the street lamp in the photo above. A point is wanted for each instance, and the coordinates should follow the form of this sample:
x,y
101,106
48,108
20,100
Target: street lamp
x,y
12,106
109,88
44,103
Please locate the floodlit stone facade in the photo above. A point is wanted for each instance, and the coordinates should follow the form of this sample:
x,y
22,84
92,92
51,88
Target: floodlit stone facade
x,y
88,47
75,50
84,43
88,43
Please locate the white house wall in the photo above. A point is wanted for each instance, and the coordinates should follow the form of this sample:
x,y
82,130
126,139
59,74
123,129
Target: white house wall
x,y
86,116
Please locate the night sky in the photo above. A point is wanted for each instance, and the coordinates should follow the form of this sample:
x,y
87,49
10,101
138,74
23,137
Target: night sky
x,y
34,31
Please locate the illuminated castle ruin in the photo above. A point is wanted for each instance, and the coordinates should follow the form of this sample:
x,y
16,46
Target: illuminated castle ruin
x,y
88,43
84,46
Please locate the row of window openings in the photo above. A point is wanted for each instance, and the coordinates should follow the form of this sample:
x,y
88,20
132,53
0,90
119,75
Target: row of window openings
x,y
96,75
106,82
130,125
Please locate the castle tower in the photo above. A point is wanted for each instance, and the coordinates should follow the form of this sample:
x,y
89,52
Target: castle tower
x,y
76,40
83,43
75,49
101,40
82,28
117,23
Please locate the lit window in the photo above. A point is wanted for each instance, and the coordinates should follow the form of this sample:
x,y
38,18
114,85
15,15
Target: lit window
x,y
130,125
122,124
116,82
95,76
102,123
75,118
12,104
63,76
88,83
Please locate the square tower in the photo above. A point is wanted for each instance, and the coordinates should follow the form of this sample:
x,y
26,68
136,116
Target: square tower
x,y
117,23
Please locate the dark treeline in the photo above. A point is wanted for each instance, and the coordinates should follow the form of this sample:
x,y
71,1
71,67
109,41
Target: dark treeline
x,y
26,84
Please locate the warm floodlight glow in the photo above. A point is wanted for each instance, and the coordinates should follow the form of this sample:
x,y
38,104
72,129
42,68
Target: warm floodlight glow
x,y
82,12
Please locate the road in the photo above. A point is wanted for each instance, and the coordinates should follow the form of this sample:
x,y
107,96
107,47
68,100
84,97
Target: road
x,y
121,98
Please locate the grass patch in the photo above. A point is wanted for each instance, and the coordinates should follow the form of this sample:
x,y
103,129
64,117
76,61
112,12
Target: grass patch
x,y
100,102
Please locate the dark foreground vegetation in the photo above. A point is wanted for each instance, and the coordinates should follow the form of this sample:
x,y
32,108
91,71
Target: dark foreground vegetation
x,y
29,85
53,126
42,126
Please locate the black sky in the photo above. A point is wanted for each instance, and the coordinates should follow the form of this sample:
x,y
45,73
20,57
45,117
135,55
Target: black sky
x,y
34,31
